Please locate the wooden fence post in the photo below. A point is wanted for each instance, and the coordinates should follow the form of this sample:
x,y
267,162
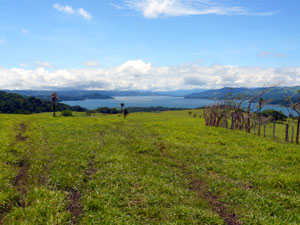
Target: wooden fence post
x,y
259,124
292,138
274,128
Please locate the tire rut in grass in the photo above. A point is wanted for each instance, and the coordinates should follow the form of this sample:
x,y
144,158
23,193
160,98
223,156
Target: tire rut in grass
x,y
219,207
20,181
20,136
202,189
75,207
91,170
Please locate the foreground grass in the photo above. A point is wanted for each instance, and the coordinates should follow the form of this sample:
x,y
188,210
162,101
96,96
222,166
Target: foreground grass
x,y
152,168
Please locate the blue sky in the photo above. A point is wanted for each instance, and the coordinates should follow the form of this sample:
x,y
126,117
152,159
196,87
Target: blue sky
x,y
95,39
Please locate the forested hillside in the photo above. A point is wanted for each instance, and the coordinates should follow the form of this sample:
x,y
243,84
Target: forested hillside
x,y
15,103
64,95
276,95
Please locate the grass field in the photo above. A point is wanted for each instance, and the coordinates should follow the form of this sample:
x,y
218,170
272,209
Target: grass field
x,y
151,168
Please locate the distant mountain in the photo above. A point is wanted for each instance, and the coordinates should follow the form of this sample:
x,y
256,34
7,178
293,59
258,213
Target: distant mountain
x,y
68,95
277,95
181,92
17,104
76,95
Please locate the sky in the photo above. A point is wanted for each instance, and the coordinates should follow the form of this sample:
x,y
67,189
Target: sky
x,y
148,44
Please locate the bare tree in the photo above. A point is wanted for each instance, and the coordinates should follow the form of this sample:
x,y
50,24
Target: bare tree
x,y
260,105
292,117
234,109
252,99
296,108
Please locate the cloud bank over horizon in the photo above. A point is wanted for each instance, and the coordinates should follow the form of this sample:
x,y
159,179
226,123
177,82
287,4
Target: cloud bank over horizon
x,y
138,75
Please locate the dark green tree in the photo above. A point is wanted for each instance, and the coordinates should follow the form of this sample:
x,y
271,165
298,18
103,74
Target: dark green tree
x,y
276,115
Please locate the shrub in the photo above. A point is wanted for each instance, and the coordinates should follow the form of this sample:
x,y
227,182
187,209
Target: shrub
x,y
277,115
67,112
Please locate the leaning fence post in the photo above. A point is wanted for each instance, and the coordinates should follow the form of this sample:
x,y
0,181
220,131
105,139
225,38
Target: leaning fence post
x,y
287,132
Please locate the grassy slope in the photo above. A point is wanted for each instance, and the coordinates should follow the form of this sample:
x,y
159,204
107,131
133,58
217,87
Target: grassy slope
x,y
160,168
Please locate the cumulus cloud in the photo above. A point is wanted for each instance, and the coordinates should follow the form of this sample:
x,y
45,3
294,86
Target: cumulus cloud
x,y
157,8
69,10
139,75
91,63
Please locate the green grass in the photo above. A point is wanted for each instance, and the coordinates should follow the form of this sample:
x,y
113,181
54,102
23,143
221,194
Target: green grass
x,y
151,168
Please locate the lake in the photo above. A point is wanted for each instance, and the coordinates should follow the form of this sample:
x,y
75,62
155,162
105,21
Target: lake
x,y
143,101
147,101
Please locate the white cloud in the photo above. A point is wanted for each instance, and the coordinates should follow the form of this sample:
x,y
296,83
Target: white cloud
x,y
43,64
69,10
264,54
157,8
85,14
91,63
138,75
66,9
2,41
24,31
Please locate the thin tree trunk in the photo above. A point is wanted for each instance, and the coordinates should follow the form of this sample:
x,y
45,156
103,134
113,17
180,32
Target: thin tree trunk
x,y
232,123
287,132
53,105
297,134
243,122
249,122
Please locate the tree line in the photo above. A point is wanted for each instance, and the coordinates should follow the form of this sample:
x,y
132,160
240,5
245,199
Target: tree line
x,y
17,104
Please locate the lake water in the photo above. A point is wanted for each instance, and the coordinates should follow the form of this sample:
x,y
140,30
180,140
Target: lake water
x,y
143,101
147,101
